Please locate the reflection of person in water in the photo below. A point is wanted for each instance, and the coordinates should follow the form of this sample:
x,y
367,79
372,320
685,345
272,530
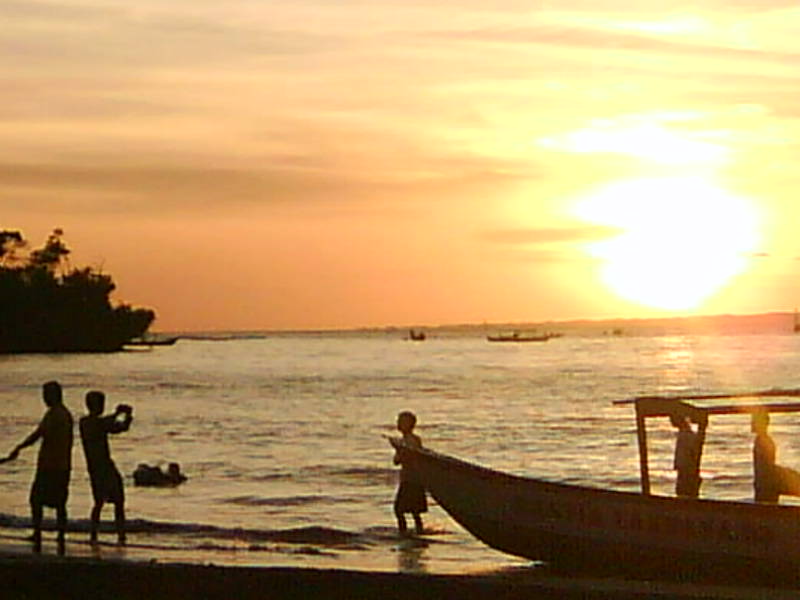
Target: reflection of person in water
x,y
765,474
410,494
105,478
51,483
687,458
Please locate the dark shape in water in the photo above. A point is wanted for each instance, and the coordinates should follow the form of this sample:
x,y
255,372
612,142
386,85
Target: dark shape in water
x,y
148,476
47,306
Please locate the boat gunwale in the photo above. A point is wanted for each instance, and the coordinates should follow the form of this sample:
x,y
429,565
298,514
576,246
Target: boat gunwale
x,y
557,487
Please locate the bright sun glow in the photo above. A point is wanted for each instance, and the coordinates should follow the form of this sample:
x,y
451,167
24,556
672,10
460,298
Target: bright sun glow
x,y
681,239
644,138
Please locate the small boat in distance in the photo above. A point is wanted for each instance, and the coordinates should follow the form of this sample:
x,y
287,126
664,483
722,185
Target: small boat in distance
x,y
416,336
518,337
153,341
580,527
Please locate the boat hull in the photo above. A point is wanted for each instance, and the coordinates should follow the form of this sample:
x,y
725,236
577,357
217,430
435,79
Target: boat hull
x,y
581,527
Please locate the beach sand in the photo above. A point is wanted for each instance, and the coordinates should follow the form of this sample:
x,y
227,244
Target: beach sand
x,y
28,576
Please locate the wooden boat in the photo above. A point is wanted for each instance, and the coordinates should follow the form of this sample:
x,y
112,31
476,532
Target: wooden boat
x,y
152,341
517,337
416,336
582,527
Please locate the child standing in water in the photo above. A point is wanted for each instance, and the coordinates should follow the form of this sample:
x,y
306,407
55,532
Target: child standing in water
x,y
410,494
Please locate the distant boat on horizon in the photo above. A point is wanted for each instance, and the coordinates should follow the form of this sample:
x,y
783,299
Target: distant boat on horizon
x,y
517,337
153,341
416,336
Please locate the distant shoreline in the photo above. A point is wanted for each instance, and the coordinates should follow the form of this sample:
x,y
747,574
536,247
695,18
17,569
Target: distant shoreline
x,y
726,324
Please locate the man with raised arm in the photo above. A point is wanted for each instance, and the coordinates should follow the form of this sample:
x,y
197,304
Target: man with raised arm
x,y
103,473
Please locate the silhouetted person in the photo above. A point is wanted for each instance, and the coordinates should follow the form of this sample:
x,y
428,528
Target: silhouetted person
x,y
174,473
687,458
148,476
410,493
765,476
105,478
51,483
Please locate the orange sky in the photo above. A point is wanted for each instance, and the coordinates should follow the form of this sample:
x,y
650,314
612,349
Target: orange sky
x,y
311,164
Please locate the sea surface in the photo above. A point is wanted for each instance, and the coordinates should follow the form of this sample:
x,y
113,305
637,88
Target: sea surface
x,y
281,435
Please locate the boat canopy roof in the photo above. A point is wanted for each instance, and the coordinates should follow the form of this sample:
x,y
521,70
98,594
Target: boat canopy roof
x,y
700,406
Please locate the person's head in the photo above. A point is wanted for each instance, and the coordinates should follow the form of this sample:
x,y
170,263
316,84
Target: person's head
x,y
406,421
52,393
95,402
679,421
759,421
174,469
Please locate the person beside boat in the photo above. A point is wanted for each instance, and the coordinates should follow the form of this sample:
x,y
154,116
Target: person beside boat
x,y
687,458
410,496
770,480
105,478
766,483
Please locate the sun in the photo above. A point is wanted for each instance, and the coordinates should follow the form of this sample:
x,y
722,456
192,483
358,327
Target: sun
x,y
680,240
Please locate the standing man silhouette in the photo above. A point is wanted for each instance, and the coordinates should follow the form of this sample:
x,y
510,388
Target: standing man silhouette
x,y
51,483
103,473
766,482
687,458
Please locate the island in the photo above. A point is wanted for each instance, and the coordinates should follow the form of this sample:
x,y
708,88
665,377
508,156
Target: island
x,y
46,305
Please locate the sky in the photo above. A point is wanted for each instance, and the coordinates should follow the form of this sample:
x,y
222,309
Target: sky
x,y
256,164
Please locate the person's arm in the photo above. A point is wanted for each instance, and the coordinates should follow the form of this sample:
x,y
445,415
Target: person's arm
x,y
113,424
28,441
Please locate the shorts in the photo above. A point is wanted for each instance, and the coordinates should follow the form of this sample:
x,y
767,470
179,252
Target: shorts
x,y
50,488
410,498
107,486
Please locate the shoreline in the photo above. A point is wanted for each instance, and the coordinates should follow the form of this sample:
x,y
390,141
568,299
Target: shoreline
x,y
48,576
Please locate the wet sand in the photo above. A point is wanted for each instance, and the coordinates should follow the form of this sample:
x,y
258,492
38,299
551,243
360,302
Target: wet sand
x,y
46,576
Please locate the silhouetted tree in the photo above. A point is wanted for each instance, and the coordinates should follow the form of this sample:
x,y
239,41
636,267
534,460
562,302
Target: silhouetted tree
x,y
45,306
9,242
52,254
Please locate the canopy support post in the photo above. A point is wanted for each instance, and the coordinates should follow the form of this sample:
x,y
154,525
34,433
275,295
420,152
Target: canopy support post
x,y
641,435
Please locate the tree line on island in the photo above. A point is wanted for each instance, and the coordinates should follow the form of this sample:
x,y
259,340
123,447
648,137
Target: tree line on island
x,y
46,305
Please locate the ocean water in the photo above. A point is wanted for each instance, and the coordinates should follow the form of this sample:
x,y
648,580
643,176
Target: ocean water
x,y
281,435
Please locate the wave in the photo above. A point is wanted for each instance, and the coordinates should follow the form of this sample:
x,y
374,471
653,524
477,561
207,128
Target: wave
x,y
360,475
212,536
284,501
299,535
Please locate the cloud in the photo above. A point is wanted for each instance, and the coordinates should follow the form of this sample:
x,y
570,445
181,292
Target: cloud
x,y
606,39
207,192
550,235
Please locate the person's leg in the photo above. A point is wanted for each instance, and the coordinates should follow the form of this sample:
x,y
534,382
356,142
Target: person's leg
x,y
418,523
36,518
94,519
402,526
119,519
61,523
